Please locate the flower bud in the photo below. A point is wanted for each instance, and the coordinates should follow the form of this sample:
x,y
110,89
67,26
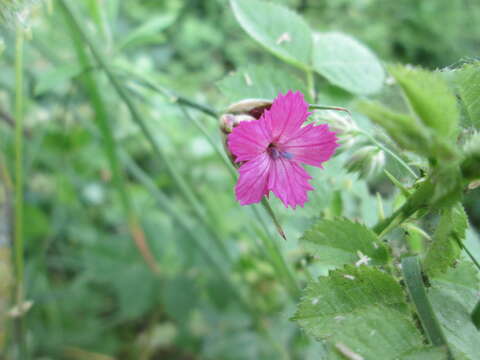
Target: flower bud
x,y
367,161
244,110
345,128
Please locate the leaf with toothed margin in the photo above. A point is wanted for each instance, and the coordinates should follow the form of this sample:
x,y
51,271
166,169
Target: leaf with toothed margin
x,y
364,309
280,30
340,241
453,296
430,99
449,234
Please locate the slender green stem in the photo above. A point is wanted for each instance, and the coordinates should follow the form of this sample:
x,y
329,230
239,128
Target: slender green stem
x,y
476,315
268,242
414,282
164,202
170,94
210,139
276,258
310,84
416,201
122,93
327,107
19,264
101,120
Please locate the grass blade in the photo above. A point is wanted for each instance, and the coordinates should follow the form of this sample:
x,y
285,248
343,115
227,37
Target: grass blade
x,y
416,289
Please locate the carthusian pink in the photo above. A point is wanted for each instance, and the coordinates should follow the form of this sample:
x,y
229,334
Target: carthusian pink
x,y
271,152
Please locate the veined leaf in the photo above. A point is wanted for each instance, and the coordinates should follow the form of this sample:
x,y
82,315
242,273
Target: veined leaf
x,y
347,63
430,99
404,129
341,241
410,134
453,296
280,30
260,82
363,309
468,82
445,249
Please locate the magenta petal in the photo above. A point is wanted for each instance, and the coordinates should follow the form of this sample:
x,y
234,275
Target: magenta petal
x,y
253,180
289,182
287,114
311,145
248,140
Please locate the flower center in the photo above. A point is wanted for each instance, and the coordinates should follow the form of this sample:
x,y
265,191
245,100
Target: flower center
x,y
276,153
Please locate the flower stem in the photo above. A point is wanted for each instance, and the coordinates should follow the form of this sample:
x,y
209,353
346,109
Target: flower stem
x,y
417,200
311,84
19,264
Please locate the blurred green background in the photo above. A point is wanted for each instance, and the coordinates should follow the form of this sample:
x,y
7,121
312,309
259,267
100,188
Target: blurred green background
x,y
214,288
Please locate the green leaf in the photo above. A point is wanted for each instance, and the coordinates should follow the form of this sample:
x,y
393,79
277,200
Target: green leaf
x,y
347,63
430,99
445,248
404,129
468,83
361,308
148,33
410,134
453,296
259,82
56,77
278,29
470,165
338,242
432,353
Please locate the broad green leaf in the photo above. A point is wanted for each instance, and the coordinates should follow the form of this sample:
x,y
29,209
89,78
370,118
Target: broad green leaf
x,y
470,165
430,99
347,63
445,248
278,29
259,82
453,296
362,308
468,83
148,33
404,129
48,80
411,134
432,353
341,241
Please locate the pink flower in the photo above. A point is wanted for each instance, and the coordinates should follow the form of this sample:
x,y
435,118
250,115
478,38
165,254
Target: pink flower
x,y
272,149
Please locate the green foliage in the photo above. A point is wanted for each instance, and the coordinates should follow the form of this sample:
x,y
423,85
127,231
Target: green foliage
x,y
403,128
362,308
347,63
430,99
447,239
101,207
341,241
259,82
467,80
278,29
453,296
